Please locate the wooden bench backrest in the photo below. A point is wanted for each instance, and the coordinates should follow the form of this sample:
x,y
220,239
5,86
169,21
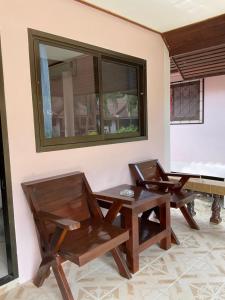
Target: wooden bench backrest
x,y
67,196
147,170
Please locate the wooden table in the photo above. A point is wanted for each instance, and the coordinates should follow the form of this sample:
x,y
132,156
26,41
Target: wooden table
x,y
143,233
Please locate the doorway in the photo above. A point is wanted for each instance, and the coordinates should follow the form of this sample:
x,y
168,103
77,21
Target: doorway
x,y
8,257
3,228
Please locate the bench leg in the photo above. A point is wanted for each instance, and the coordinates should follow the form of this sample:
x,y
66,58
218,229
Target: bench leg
x,y
191,208
61,279
132,245
43,271
121,264
165,223
174,238
216,208
190,220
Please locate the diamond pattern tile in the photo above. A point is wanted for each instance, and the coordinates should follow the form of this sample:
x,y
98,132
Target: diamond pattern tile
x,y
193,270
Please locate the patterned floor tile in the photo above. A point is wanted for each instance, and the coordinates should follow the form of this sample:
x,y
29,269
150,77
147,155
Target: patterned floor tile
x,y
30,292
198,239
220,295
201,282
149,255
195,269
193,289
75,272
103,281
140,287
174,263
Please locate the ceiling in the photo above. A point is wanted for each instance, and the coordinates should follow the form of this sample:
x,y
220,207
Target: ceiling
x,y
163,15
198,50
193,30
200,64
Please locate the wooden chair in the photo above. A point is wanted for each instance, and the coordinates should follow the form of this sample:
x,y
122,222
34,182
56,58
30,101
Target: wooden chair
x,y
71,226
151,175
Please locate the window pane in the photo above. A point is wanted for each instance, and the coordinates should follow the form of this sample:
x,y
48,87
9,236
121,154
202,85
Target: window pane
x,y
70,93
120,97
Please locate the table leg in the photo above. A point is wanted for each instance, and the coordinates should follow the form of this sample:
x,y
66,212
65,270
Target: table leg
x,y
165,224
215,218
132,245
191,208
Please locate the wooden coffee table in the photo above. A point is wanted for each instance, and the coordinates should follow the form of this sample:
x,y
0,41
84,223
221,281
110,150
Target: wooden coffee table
x,y
143,233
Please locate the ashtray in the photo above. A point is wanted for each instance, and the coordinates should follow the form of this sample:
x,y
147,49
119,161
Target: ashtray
x,y
127,193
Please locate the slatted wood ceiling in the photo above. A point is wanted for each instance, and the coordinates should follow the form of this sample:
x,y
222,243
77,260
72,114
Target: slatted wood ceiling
x,y
201,63
198,50
173,67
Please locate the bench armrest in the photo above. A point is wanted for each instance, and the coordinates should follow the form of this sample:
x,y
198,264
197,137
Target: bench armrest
x,y
162,183
177,174
61,222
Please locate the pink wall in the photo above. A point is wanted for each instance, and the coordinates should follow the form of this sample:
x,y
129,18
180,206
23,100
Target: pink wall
x,y
104,165
203,143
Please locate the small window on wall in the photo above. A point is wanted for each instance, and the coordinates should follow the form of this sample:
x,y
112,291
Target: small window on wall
x,y
187,100
85,95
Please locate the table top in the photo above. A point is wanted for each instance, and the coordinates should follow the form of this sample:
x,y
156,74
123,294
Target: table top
x,y
141,195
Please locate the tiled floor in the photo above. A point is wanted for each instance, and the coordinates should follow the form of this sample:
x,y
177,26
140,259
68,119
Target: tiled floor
x,y
193,270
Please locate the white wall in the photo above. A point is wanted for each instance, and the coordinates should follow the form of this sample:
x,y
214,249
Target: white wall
x,y
201,147
104,166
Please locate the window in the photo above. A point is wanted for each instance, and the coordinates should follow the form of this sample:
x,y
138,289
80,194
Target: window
x,y
85,95
187,102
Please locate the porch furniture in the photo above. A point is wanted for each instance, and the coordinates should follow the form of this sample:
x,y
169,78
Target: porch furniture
x,y
214,187
143,233
71,226
151,175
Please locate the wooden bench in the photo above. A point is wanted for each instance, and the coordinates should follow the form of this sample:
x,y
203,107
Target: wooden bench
x,y
214,187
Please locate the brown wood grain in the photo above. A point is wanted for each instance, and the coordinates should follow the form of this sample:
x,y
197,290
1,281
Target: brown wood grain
x,y
201,35
152,170
71,226
142,232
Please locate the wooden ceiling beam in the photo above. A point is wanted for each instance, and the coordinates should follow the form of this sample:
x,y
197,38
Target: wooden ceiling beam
x,y
205,72
201,63
203,67
192,77
204,59
199,56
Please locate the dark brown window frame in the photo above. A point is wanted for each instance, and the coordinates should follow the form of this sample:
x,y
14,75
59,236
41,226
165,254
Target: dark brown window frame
x,y
201,103
43,144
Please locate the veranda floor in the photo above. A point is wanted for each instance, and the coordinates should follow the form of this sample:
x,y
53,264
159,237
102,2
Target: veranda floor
x,y
193,270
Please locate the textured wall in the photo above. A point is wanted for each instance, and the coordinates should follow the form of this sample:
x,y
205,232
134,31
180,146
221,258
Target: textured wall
x,y
202,146
104,165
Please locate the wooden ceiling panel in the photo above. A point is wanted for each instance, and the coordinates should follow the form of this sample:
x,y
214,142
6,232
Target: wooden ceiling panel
x,y
203,75
198,50
205,53
173,67
202,35
208,62
202,66
202,62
